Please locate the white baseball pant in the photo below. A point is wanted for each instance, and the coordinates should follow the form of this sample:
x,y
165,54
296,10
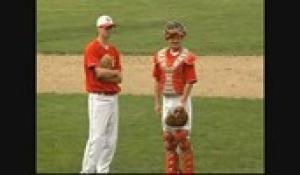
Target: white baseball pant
x,y
103,133
169,103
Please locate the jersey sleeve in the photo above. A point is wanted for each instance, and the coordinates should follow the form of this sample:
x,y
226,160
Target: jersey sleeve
x,y
156,71
190,59
189,70
90,56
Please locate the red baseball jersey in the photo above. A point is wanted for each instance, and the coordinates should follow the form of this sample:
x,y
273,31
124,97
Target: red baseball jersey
x,y
183,74
93,53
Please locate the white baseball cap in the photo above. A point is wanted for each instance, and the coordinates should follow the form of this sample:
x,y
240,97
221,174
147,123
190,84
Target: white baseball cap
x,y
104,21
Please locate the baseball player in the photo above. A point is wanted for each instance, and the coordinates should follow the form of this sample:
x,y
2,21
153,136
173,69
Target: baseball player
x,y
103,74
174,74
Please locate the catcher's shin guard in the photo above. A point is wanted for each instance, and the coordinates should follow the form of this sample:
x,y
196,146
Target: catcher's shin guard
x,y
171,156
186,151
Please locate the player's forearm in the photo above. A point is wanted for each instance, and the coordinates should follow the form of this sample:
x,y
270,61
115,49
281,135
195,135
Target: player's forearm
x,y
186,92
102,73
157,93
115,79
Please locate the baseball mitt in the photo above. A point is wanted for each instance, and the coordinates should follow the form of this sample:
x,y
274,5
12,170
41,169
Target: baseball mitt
x,y
106,62
178,117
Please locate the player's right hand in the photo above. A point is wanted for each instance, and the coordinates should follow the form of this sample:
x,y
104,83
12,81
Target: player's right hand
x,y
157,108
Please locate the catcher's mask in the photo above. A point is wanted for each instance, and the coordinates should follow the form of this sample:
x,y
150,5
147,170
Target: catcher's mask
x,y
174,29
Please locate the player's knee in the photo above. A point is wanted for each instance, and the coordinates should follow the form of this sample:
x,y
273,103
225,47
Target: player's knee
x,y
96,139
185,145
170,145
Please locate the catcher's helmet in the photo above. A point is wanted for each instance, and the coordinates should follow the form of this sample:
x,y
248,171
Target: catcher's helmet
x,y
174,28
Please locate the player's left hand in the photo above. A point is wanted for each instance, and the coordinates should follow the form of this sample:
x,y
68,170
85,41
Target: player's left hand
x,y
178,117
157,109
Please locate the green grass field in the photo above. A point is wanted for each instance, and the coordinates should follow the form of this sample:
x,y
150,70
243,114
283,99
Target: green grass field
x,y
227,135
215,27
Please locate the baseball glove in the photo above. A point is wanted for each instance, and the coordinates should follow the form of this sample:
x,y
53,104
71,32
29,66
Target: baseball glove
x,y
106,62
178,117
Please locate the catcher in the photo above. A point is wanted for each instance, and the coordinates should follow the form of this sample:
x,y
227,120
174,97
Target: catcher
x,y
174,74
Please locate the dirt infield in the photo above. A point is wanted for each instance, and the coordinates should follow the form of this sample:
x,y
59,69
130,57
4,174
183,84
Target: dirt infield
x,y
222,76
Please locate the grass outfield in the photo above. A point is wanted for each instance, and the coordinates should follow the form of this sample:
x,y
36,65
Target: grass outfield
x,y
227,134
215,27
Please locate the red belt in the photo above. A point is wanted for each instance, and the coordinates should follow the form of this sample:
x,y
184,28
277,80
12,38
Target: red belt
x,y
105,93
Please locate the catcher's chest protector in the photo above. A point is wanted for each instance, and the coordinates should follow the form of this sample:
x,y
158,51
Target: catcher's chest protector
x,y
168,88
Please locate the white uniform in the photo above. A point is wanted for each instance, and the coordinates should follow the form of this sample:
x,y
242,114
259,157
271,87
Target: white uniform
x,y
103,132
102,109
